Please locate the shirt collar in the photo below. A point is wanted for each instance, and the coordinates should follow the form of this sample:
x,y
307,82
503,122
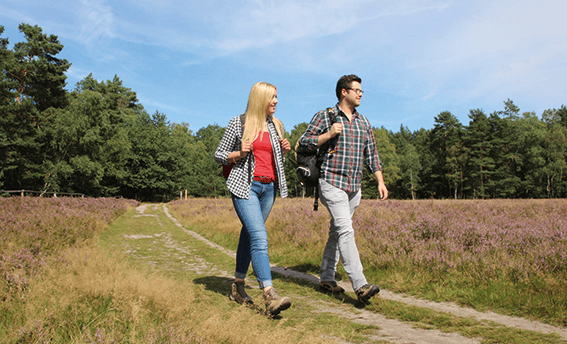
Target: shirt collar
x,y
339,111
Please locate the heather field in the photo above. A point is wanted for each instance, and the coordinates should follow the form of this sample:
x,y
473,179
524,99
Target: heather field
x,y
65,278
32,230
114,271
509,256
36,235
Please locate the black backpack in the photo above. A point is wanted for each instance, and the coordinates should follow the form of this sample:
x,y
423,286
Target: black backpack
x,y
308,162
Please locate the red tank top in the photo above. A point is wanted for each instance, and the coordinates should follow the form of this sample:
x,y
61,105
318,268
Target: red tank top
x,y
265,165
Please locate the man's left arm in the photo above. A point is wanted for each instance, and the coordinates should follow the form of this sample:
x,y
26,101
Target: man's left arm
x,y
381,185
374,163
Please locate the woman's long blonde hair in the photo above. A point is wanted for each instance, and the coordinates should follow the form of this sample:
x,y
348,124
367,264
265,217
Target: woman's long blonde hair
x,y
260,97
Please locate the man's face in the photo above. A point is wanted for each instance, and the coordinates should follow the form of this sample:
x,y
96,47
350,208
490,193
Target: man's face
x,y
353,94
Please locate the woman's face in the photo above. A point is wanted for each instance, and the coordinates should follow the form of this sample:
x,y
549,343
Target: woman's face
x,y
272,106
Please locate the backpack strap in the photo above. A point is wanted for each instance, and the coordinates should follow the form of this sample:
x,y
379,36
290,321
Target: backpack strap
x,y
332,142
321,153
316,202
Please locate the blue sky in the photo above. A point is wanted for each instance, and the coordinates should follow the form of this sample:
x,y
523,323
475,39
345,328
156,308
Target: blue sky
x,y
195,61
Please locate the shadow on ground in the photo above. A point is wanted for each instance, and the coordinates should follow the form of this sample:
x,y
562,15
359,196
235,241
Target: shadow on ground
x,y
222,286
343,297
217,284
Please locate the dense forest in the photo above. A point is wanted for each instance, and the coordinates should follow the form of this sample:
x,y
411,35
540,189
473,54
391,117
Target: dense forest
x,y
98,140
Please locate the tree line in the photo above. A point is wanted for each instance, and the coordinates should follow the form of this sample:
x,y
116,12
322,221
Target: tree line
x,y
98,140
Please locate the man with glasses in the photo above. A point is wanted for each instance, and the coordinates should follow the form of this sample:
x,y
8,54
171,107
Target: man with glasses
x,y
351,141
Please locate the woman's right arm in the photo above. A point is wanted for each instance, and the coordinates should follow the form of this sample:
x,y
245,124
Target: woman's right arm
x,y
228,148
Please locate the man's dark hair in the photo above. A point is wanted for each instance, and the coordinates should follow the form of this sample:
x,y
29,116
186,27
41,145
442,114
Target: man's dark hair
x,y
344,82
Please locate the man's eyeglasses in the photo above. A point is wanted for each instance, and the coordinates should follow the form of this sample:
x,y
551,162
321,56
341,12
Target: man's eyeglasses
x,y
357,90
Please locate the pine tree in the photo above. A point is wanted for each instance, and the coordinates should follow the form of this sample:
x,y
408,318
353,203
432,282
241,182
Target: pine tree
x,y
480,165
33,81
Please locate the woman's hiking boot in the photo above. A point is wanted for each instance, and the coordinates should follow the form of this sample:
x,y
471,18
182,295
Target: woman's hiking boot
x,y
275,303
365,292
332,287
239,295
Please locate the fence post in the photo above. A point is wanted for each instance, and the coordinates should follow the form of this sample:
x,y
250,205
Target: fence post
x,y
185,194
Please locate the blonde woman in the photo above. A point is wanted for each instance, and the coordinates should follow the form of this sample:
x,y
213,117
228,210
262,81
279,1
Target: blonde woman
x,y
258,153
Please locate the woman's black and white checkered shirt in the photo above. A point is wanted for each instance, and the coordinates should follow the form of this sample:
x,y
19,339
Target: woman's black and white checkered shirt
x,y
240,179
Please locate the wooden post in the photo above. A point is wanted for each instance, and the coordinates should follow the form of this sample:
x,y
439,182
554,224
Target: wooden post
x,y
185,194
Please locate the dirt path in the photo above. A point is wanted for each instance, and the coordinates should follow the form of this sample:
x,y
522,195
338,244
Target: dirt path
x,y
390,329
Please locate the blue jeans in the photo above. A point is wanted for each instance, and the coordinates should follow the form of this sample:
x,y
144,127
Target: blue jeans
x,y
341,243
253,245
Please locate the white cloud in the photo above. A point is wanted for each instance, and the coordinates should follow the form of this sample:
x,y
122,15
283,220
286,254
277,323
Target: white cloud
x,y
75,74
14,12
95,21
502,49
422,54
219,28
268,22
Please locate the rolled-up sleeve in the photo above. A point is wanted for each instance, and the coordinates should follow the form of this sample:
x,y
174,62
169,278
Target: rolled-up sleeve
x,y
371,151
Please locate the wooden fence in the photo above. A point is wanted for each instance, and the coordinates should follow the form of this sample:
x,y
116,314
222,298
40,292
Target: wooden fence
x,y
23,193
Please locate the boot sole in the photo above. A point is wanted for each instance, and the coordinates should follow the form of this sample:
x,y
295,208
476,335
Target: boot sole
x,y
246,302
281,307
371,293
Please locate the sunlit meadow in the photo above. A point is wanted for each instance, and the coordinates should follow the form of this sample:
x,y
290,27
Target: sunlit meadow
x,y
507,255
58,285
31,229
34,232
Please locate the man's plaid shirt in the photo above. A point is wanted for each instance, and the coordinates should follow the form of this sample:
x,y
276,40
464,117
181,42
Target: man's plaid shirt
x,y
343,168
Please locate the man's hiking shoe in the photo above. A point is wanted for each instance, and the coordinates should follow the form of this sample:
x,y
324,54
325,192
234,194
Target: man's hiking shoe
x,y
275,303
366,292
332,287
239,295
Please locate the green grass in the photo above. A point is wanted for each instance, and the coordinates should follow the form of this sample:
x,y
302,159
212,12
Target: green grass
x,y
403,281
145,280
498,295
156,242
297,236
